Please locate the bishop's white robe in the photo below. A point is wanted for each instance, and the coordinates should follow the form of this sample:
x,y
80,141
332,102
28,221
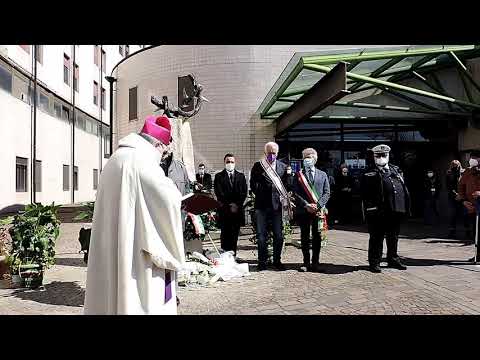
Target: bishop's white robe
x,y
136,236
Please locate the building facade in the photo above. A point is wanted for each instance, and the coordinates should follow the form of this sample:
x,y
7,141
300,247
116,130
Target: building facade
x,y
54,128
239,80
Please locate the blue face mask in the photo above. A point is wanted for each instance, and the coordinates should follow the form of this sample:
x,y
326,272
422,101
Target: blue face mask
x,y
308,163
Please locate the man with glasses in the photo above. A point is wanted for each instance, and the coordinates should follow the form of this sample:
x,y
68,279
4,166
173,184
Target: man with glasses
x,y
386,203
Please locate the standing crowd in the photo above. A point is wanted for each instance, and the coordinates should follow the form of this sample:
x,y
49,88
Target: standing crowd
x,y
137,247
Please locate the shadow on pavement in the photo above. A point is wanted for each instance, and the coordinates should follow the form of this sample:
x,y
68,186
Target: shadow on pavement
x,y
76,262
432,262
340,269
247,247
55,293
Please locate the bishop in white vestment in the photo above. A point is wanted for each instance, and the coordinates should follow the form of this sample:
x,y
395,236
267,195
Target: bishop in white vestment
x,y
136,245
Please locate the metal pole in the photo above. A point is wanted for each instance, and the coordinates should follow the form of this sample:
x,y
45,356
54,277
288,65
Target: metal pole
x,y
101,114
34,127
111,80
73,125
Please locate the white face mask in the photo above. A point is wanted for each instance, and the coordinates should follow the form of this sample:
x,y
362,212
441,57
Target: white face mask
x,y
473,162
381,161
289,172
308,162
430,174
201,171
230,167
345,173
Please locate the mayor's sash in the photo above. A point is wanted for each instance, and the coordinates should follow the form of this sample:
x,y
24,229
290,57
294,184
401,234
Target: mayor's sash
x,y
313,197
287,212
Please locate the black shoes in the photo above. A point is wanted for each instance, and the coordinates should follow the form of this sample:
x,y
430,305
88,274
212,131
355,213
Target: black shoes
x,y
396,264
262,267
316,268
375,269
279,266
452,234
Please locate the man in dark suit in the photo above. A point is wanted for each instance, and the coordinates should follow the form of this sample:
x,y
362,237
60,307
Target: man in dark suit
x,y
268,207
308,207
386,202
204,180
231,190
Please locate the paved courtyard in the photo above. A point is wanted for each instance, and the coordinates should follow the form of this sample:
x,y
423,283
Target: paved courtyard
x,y
438,281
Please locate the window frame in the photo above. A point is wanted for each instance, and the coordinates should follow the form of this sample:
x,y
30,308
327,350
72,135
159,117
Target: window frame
x,y
66,60
66,186
131,115
21,165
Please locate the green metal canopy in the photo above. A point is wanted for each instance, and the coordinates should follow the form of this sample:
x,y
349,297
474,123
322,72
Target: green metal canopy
x,y
404,82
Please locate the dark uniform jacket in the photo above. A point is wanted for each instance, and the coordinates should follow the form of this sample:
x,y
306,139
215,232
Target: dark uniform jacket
x,y
266,195
452,179
384,194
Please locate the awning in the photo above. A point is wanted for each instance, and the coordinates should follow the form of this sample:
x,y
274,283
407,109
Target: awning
x,y
407,83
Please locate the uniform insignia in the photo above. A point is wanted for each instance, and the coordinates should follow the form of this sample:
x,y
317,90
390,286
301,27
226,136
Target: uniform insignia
x,y
372,173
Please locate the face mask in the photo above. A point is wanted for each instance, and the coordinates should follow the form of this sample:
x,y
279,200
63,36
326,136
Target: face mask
x,y
289,172
308,162
381,161
271,158
201,171
430,174
473,162
344,173
230,167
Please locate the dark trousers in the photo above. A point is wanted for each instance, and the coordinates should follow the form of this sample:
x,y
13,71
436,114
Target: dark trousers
x,y
306,223
386,225
230,228
265,217
430,211
456,210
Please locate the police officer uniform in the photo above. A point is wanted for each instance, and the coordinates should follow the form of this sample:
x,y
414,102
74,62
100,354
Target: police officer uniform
x,y
386,202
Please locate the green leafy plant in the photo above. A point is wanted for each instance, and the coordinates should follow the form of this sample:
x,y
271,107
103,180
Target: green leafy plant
x,y
86,214
34,232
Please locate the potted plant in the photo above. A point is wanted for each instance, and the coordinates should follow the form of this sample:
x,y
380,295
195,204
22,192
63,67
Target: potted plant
x,y
85,215
33,232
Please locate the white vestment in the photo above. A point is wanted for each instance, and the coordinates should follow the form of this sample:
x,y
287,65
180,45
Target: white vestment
x,y
136,235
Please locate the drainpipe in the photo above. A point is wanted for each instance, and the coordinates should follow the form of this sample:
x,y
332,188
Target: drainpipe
x,y
111,80
101,112
34,127
73,125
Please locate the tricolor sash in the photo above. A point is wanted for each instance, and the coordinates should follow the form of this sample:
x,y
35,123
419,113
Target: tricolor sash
x,y
284,199
197,224
308,188
313,197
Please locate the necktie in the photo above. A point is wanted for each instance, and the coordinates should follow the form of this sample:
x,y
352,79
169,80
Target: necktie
x,y
231,179
310,176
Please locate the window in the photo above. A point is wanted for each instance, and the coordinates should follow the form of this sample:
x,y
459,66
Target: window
x,y
65,113
75,77
95,93
120,49
104,61
96,51
132,103
95,179
106,142
75,178
102,100
127,50
38,175
66,69
66,177
5,79
43,102
26,48
80,121
21,174
57,109
39,53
